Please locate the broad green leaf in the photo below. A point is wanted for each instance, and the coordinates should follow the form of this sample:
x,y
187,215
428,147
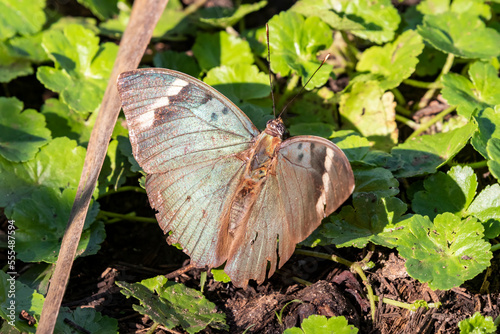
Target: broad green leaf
x,y
486,208
58,165
378,181
319,324
474,7
64,122
480,93
173,23
126,149
38,276
212,50
369,111
355,147
177,61
220,275
30,301
395,61
488,121
314,129
173,304
430,62
224,17
461,34
85,22
294,46
444,253
88,318
82,67
477,324
24,298
452,192
314,107
493,149
114,170
24,17
21,133
425,154
243,84
102,9
12,66
370,219
375,21
28,48
41,221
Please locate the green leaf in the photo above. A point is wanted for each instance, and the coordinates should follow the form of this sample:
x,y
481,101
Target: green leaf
x,y
378,181
486,208
114,170
396,61
294,46
370,219
41,221
224,17
30,301
425,154
102,9
375,21
474,7
220,275
369,111
12,66
319,324
477,324
64,122
82,67
488,122
355,147
173,304
461,34
88,318
21,133
126,149
58,165
212,50
452,192
430,62
243,84
25,17
24,298
483,92
444,253
314,107
493,149
177,61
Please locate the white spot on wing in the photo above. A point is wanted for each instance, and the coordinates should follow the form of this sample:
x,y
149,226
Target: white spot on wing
x,y
146,119
325,178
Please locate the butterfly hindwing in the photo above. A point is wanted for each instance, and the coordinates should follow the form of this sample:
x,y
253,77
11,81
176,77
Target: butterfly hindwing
x,y
312,179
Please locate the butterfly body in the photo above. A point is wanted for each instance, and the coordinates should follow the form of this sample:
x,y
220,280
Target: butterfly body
x,y
223,190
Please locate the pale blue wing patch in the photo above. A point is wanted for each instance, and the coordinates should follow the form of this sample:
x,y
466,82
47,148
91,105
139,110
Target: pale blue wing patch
x,y
175,119
190,202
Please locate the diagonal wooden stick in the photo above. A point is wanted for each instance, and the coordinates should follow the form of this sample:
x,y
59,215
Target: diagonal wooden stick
x,y
145,15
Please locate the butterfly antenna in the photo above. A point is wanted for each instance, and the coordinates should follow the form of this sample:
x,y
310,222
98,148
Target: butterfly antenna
x,y
269,68
303,87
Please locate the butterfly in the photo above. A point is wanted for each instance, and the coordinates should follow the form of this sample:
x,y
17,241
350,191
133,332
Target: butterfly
x,y
223,190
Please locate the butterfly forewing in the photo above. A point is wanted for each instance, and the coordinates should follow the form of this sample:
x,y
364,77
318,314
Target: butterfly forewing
x,y
175,120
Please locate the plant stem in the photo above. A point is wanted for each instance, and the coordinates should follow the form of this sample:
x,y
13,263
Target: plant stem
x,y
399,97
127,217
407,122
411,307
319,255
473,165
427,125
301,281
421,84
446,68
496,247
371,297
123,189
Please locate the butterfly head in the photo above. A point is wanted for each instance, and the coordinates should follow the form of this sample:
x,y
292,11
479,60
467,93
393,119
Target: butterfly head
x,y
275,127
